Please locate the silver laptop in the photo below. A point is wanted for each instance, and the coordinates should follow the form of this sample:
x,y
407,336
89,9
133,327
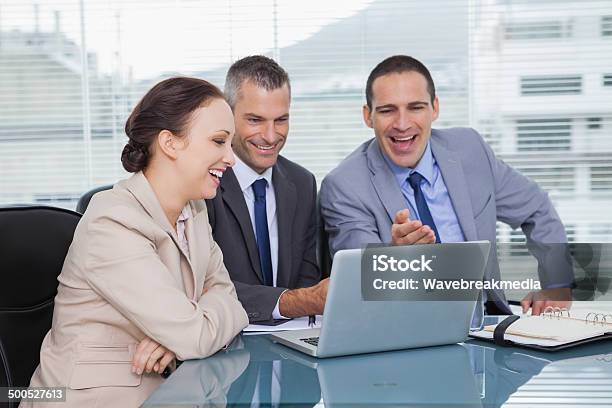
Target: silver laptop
x,y
352,325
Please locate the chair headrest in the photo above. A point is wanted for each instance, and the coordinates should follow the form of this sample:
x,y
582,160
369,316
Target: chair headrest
x,y
33,244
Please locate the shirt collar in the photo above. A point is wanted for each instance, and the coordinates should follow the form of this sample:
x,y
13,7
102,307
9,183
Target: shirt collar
x,y
246,176
425,167
185,214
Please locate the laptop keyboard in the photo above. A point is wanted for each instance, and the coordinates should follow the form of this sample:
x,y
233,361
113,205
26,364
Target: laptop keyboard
x,y
313,341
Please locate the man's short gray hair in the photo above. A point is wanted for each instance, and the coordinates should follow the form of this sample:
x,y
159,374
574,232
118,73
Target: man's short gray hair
x,y
262,71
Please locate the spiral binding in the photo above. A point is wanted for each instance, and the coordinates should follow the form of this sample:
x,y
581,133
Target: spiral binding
x,y
596,318
591,318
555,312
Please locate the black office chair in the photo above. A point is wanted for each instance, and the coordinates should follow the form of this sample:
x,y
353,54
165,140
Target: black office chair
x,y
86,198
35,241
5,375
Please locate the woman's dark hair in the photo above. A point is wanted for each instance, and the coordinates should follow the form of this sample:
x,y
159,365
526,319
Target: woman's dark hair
x,y
167,106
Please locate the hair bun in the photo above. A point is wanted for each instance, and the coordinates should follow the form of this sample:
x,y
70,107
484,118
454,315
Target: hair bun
x,y
134,157
167,106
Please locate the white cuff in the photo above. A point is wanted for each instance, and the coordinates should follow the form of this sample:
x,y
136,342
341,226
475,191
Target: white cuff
x,y
276,312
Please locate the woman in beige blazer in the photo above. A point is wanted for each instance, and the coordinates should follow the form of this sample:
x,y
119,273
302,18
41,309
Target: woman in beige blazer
x,y
143,280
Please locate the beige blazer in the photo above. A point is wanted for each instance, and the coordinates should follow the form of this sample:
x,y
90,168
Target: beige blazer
x,y
125,277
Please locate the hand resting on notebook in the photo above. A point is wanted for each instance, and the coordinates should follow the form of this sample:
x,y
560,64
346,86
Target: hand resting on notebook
x,y
541,299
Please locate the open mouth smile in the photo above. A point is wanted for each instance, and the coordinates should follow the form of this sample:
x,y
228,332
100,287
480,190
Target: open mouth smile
x,y
265,148
216,174
396,139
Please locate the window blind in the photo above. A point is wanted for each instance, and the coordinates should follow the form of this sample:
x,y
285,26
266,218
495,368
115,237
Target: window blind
x,y
533,77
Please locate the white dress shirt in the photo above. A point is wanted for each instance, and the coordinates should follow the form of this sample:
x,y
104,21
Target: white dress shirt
x,y
246,177
180,230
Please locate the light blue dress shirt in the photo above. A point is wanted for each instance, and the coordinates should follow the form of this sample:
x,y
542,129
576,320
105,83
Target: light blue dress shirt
x,y
435,192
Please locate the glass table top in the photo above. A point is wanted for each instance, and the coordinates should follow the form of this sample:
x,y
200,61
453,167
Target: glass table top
x,y
255,370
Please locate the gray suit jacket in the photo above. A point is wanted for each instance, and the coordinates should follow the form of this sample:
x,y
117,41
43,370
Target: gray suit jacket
x,y
360,197
296,192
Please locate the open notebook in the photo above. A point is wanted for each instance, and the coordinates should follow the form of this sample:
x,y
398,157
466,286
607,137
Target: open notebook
x,y
554,332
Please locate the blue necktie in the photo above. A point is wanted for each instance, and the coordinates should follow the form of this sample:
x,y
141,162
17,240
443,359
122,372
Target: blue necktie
x,y
261,230
426,218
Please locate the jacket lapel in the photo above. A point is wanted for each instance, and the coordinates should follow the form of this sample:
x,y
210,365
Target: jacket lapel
x,y
198,240
234,199
286,200
384,181
140,188
454,179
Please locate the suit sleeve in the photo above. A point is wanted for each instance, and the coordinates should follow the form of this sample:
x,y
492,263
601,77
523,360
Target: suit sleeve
x,y
309,273
259,301
348,221
125,269
520,202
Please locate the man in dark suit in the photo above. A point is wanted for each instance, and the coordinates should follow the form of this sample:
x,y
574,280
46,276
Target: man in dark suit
x,y
263,216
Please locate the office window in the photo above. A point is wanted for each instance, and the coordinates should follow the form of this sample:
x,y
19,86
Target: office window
x,y
490,131
544,134
551,85
600,231
65,93
535,30
606,26
601,178
58,200
570,231
551,179
518,245
594,123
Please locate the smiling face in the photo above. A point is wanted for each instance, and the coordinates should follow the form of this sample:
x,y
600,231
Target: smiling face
x,y
205,152
262,124
401,116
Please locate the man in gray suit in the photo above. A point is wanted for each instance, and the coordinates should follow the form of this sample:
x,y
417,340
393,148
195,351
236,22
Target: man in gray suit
x,y
263,216
414,184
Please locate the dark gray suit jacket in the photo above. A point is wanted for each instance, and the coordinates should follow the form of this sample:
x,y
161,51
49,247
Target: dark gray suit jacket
x,y
296,191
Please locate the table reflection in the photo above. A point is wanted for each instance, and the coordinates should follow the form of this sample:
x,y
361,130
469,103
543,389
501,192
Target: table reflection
x,y
254,371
